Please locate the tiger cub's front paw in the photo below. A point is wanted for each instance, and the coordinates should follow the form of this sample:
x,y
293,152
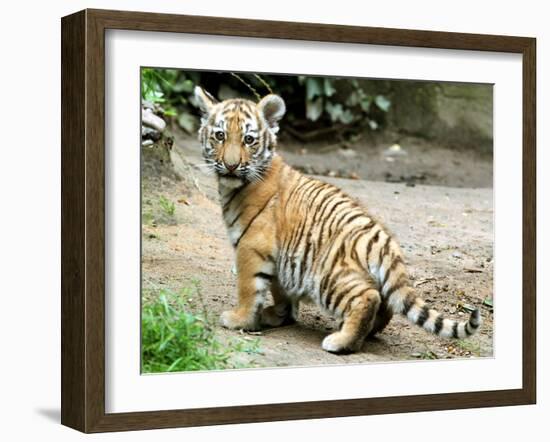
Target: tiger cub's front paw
x,y
340,342
236,320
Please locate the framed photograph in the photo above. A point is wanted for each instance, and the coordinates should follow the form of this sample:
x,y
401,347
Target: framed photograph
x,y
267,220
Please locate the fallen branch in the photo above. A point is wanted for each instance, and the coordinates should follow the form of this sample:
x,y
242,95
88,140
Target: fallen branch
x,y
473,270
424,281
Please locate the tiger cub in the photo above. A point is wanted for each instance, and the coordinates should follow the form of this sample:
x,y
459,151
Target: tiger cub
x,y
302,239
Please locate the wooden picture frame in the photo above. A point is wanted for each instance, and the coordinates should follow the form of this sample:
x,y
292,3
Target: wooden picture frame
x,y
83,220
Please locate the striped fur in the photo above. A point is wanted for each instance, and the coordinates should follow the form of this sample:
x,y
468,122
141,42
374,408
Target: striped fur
x,y
301,239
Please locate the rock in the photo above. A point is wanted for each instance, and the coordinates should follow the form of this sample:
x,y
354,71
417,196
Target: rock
x,y
188,122
148,118
148,133
348,153
395,150
453,114
147,104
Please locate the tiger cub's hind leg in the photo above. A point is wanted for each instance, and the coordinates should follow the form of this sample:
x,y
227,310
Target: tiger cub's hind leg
x,y
383,317
358,309
282,312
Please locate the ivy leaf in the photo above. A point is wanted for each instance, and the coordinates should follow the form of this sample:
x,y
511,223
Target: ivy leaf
x,y
335,111
313,88
353,99
338,113
314,109
382,102
329,88
183,86
366,101
347,117
154,96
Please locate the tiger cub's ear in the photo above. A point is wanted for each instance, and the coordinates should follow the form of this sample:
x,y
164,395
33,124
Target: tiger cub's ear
x,y
272,108
205,100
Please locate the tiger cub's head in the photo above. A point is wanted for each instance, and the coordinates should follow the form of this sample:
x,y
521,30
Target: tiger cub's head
x,y
238,136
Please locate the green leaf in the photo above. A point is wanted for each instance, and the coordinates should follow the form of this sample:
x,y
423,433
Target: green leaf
x,y
183,85
314,109
382,102
347,117
314,88
335,111
338,113
365,103
194,76
328,87
353,99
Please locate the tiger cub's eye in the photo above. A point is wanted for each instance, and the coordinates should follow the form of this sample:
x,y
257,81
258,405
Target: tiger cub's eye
x,y
219,135
248,139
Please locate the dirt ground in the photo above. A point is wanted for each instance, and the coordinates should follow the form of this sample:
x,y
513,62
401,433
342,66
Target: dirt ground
x,y
446,234
392,158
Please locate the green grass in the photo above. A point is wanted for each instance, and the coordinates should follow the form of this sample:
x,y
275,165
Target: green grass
x,y
176,339
473,347
168,207
428,354
161,211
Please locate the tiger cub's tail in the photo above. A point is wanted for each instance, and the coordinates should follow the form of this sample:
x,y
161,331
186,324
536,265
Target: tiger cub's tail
x,y
404,300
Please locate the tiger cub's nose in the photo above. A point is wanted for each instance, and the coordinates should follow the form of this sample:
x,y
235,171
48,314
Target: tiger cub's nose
x,y
231,166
